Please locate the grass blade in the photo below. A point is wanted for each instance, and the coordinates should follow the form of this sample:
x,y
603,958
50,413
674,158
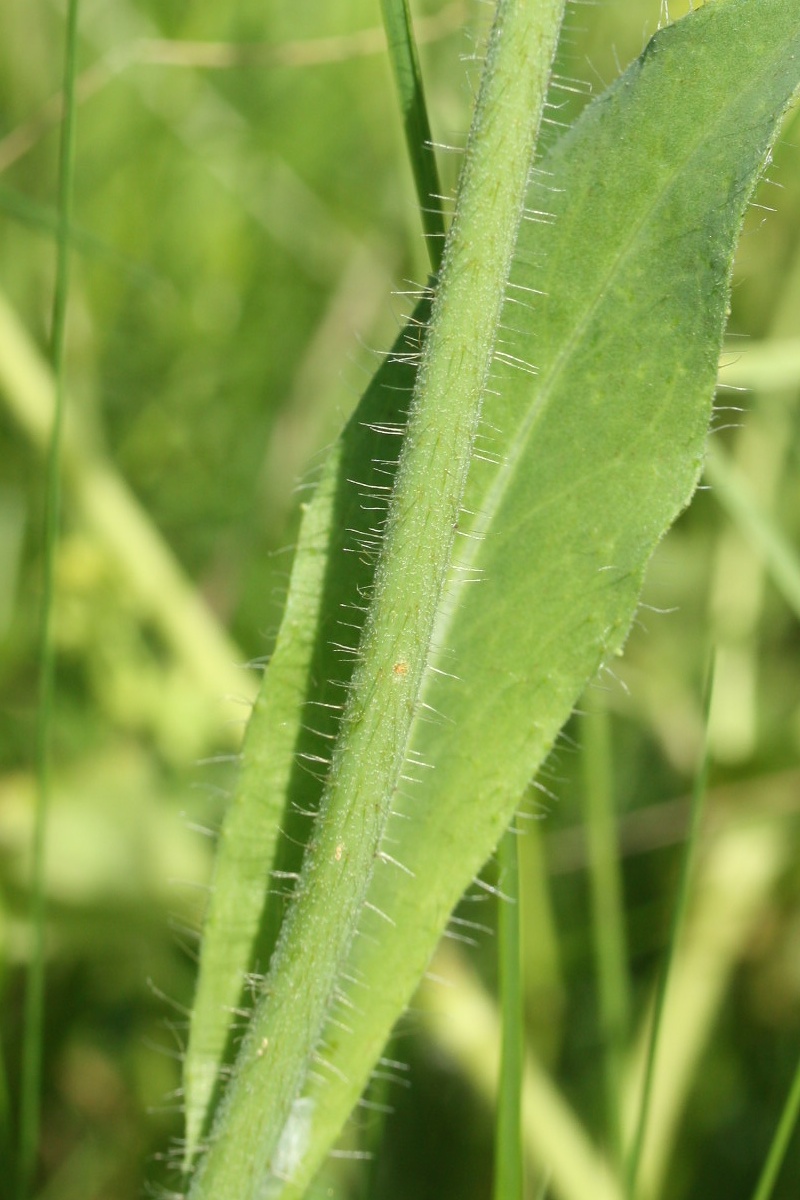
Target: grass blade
x,y
508,1171
408,77
780,1142
676,930
608,912
742,860
464,1021
30,1098
7,1147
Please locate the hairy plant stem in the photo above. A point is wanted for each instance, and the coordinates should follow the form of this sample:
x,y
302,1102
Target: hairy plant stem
x,y
260,1133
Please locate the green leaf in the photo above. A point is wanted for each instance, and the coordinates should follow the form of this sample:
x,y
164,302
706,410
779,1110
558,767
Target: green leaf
x,y
591,455
408,77
296,714
415,531
600,450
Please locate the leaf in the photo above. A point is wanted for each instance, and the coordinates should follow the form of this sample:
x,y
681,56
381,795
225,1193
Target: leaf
x,y
419,140
280,778
595,454
412,523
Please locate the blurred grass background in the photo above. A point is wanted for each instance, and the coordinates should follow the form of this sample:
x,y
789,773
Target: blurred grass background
x,y
243,211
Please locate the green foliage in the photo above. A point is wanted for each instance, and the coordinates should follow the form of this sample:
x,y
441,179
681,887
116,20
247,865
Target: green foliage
x,y
416,519
596,450
223,255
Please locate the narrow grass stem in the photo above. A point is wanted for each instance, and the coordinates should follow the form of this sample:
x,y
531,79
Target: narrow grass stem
x,y
780,1142
608,920
508,1162
408,77
30,1098
464,1021
6,1139
676,929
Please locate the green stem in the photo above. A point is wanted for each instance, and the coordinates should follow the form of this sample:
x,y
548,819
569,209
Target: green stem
x,y
30,1098
6,1134
780,1142
260,1136
463,1020
408,77
508,1164
676,929
608,920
